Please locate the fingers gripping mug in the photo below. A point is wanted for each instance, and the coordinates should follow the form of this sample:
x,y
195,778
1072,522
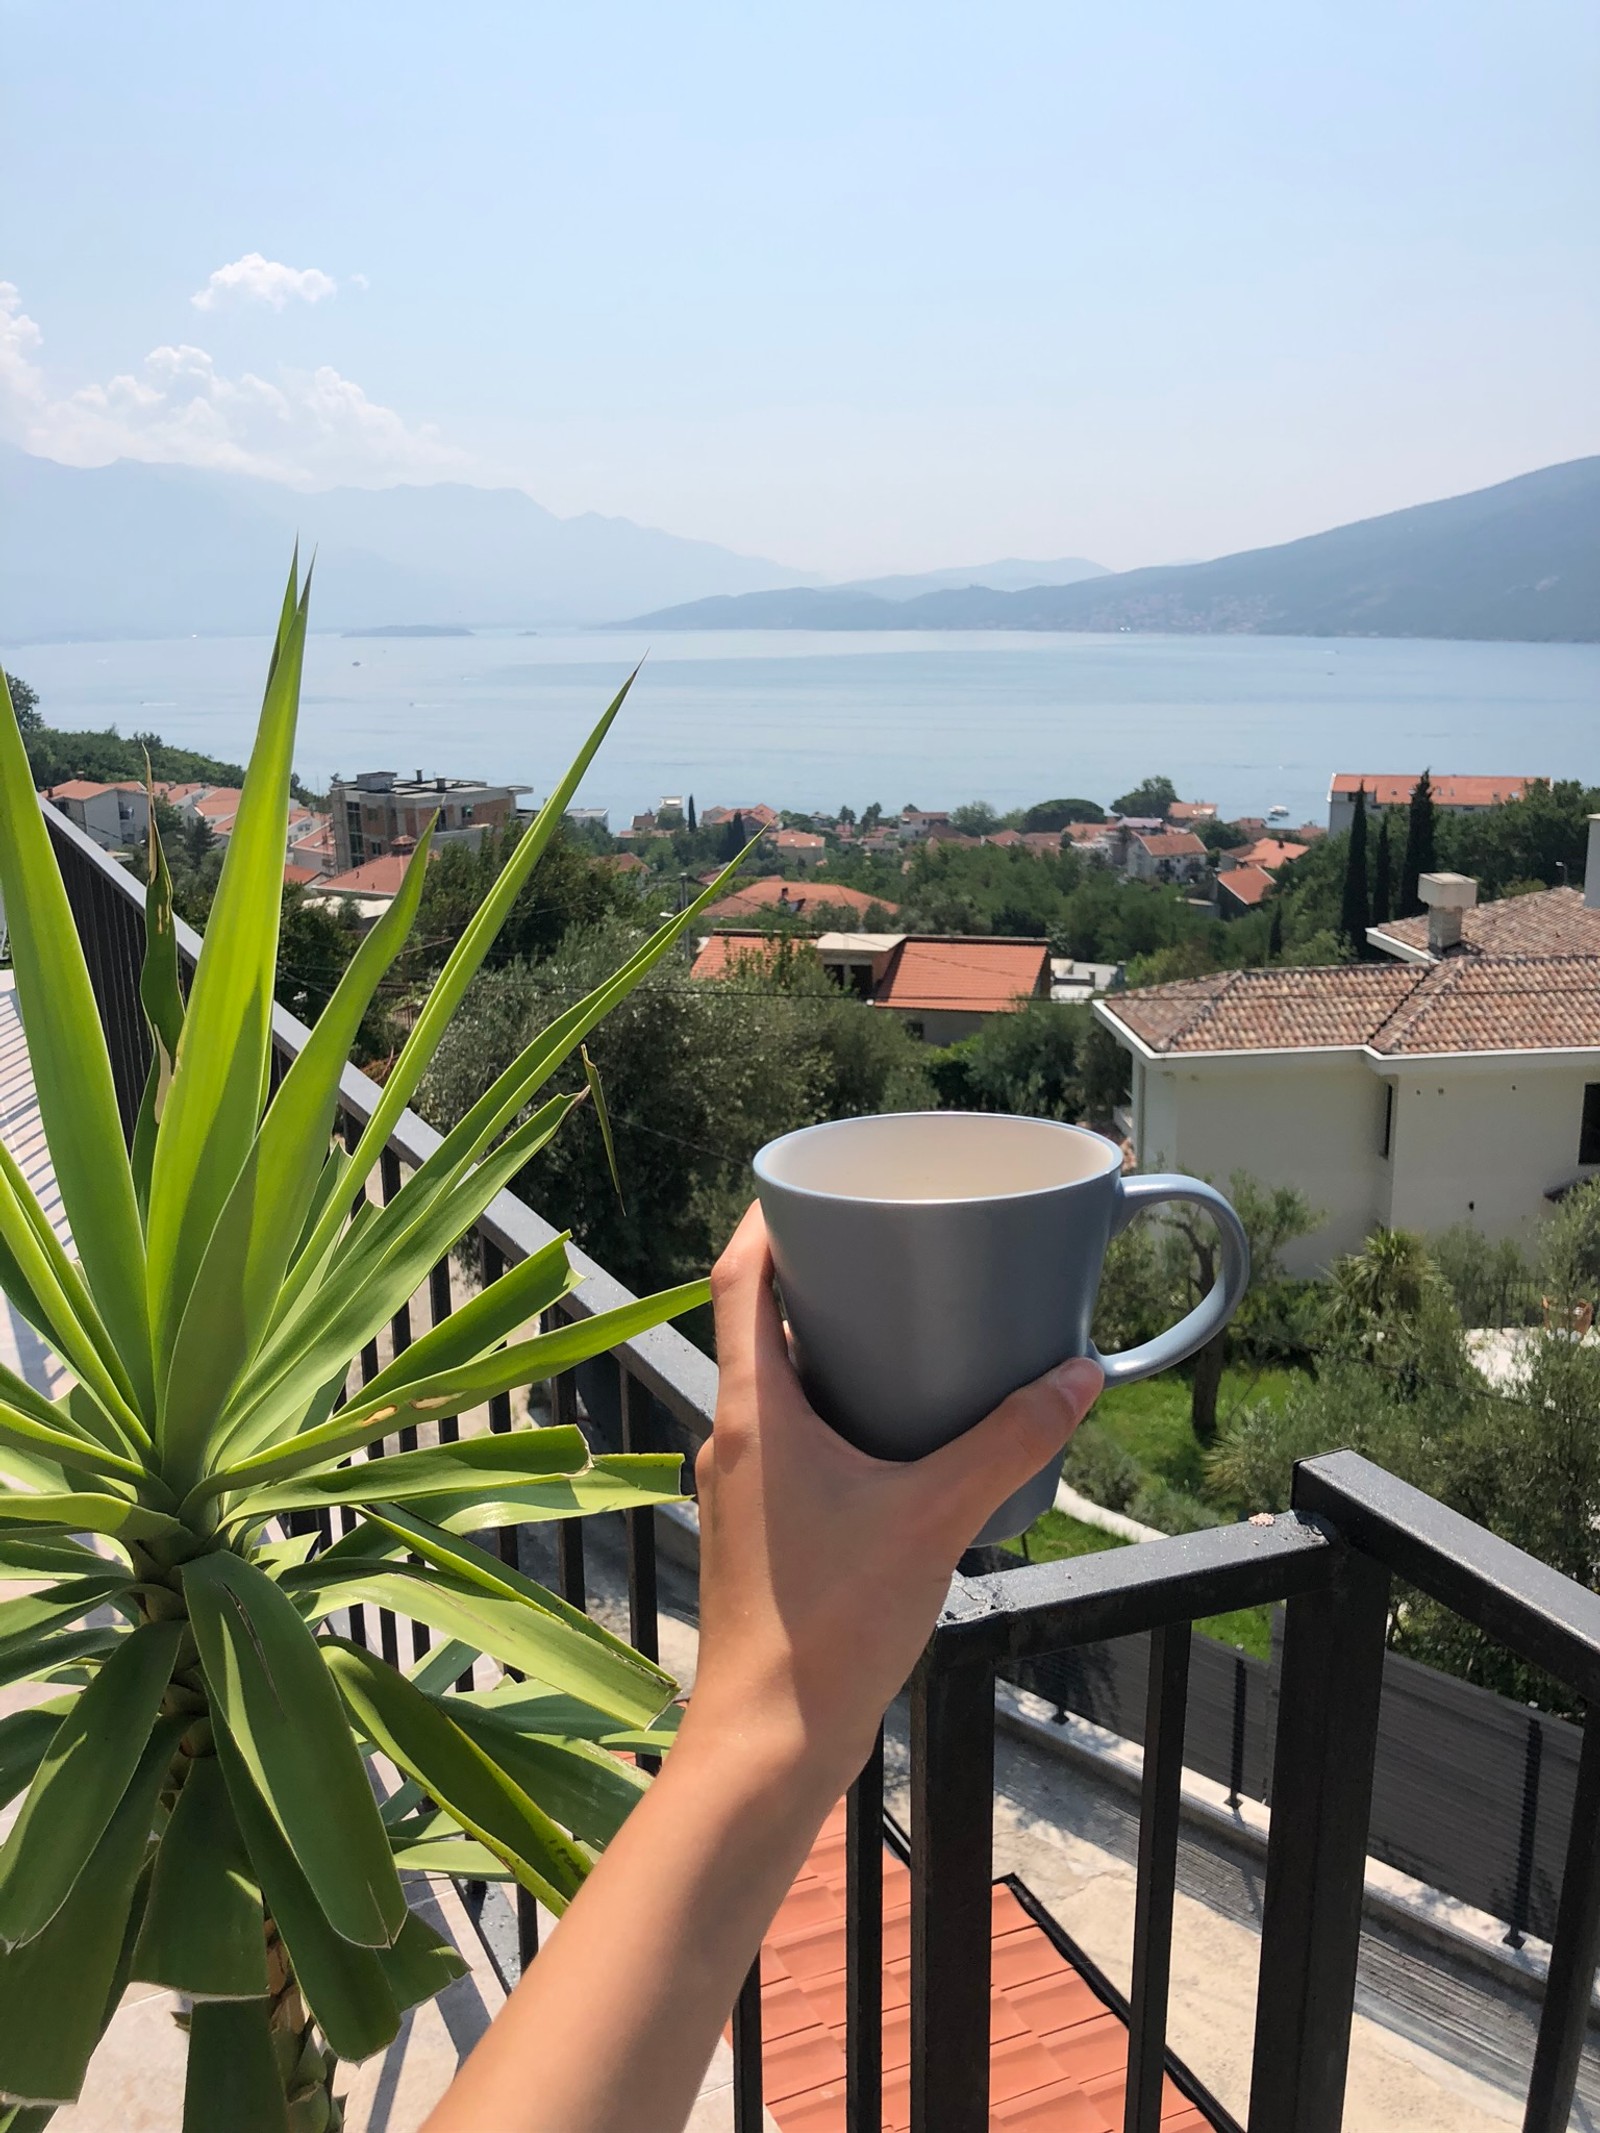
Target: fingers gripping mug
x,y
931,1262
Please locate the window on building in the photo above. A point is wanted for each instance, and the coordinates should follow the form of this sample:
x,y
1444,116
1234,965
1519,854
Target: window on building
x,y
1589,1131
1386,1138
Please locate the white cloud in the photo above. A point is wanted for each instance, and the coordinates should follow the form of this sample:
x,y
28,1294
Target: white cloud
x,y
258,280
308,428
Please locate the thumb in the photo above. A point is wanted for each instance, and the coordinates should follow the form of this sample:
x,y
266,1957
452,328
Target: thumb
x,y
973,1474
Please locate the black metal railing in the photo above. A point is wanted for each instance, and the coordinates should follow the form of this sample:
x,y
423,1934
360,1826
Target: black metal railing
x,y
1331,1560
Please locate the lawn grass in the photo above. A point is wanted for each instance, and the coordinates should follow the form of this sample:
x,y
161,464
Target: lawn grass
x,y
1151,1420
1055,1536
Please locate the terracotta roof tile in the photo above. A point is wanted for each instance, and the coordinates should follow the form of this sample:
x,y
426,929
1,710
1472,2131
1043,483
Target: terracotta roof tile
x,y
1265,852
1466,1005
1058,2051
1169,844
1394,788
1246,885
379,877
974,976
1547,922
802,898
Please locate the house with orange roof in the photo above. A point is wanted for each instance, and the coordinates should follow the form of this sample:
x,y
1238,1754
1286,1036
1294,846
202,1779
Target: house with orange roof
x,y
1166,855
1417,1093
115,816
942,986
803,847
1453,795
806,901
1268,852
1241,889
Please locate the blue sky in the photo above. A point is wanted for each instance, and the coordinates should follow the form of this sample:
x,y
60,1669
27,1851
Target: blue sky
x,y
862,287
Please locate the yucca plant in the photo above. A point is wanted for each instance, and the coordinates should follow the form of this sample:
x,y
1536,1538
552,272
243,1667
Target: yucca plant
x,y
199,1809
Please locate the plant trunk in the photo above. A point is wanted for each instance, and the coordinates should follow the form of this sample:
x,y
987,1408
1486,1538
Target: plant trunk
x,y
305,2065
1206,1387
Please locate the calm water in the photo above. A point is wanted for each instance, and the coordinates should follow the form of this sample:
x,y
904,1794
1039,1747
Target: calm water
x,y
811,720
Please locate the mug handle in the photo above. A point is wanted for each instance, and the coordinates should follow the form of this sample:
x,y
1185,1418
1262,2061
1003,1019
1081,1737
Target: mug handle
x,y
1213,1310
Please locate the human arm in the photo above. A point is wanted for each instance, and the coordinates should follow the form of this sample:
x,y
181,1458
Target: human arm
x,y
822,1572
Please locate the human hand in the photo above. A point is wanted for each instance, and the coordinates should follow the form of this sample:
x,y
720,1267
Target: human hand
x,y
822,1569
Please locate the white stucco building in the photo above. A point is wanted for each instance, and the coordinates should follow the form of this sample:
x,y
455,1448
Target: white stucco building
x,y
1457,1085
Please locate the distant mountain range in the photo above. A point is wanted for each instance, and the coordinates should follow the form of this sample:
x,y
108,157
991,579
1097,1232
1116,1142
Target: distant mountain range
x,y
131,550
1519,560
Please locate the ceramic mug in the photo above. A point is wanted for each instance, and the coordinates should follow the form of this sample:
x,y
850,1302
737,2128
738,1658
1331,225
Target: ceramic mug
x,y
930,1262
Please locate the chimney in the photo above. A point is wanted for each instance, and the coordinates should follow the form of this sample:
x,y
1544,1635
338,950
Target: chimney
x,y
1591,872
1447,896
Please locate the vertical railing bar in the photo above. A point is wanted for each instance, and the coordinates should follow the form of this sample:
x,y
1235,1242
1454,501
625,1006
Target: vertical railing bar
x,y
400,1341
643,1627
527,1928
1527,1832
494,1265
952,1843
863,1991
1166,1704
570,1570
1333,1653
1569,1981
1241,1690
748,2086
440,1306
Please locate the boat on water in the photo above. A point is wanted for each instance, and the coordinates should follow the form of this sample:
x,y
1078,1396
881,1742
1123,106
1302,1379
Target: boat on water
x,y
1278,814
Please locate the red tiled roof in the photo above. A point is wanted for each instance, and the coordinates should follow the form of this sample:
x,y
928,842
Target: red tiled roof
x,y
1267,852
1246,885
220,801
90,789
1058,2052
1546,922
802,898
1469,1004
1192,811
1169,844
625,863
723,952
1086,832
297,877
799,841
379,877
1394,789
760,816
971,976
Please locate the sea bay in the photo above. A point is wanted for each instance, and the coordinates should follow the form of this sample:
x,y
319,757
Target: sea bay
x,y
814,719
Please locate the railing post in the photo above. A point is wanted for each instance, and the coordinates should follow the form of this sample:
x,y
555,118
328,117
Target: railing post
x,y
1573,1952
952,1832
863,1989
1333,1645
1166,1708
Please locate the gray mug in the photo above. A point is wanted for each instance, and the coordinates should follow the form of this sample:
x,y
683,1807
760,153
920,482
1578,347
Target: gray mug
x,y
931,1262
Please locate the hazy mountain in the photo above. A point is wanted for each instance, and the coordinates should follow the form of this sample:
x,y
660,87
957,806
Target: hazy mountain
x,y
1010,574
153,551
1520,560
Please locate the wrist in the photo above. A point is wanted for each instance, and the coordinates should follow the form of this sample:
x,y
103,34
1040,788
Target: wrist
x,y
765,1751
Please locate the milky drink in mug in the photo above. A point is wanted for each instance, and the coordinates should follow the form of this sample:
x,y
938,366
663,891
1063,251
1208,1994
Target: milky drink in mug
x,y
930,1262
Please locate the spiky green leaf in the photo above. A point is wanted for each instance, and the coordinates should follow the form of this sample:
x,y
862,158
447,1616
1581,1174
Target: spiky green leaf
x,y
270,1689
419,1738
232,2076
203,1925
59,1991
71,1067
161,996
89,1766
214,1104
343,1983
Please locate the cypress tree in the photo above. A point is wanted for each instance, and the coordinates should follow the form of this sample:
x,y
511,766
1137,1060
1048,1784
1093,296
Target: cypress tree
x,y
690,822
1275,934
1355,910
1383,879
1420,856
